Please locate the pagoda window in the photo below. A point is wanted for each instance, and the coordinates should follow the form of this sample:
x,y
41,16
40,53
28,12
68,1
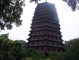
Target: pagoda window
x,y
39,32
47,42
40,23
46,27
48,49
48,37
42,28
56,39
36,48
47,31
51,24
35,33
40,20
37,42
42,49
50,29
53,38
43,31
38,37
33,43
52,43
34,38
56,34
57,44
54,50
58,50
35,17
43,42
38,28
43,37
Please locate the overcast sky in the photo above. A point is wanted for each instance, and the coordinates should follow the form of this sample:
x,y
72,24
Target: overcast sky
x,y
69,21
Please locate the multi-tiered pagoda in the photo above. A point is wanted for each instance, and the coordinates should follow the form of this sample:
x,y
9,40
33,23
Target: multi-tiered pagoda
x,y
45,34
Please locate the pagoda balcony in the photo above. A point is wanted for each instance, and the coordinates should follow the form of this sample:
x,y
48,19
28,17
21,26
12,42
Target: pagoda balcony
x,y
45,45
43,14
52,40
44,20
45,30
43,34
46,16
45,26
44,11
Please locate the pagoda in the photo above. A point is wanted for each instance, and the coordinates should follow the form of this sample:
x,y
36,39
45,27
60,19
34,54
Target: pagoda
x,y
45,34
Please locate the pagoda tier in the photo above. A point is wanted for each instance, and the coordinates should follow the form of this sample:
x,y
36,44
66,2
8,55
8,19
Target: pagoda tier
x,y
45,34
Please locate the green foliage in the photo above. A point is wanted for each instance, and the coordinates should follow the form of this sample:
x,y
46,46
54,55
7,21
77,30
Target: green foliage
x,y
4,47
23,43
48,59
29,58
34,54
72,49
10,12
10,50
16,49
72,3
40,59
36,1
54,56
4,35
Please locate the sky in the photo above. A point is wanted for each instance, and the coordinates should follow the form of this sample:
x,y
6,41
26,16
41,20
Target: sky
x,y
69,21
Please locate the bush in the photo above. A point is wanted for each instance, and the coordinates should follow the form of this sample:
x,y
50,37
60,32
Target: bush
x,y
48,59
28,58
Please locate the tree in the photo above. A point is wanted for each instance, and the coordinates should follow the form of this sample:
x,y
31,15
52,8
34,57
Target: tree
x,y
23,43
17,51
36,1
72,4
29,58
11,50
72,49
4,47
4,35
34,54
10,12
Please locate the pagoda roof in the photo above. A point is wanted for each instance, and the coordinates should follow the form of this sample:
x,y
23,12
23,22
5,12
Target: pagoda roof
x,y
46,6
